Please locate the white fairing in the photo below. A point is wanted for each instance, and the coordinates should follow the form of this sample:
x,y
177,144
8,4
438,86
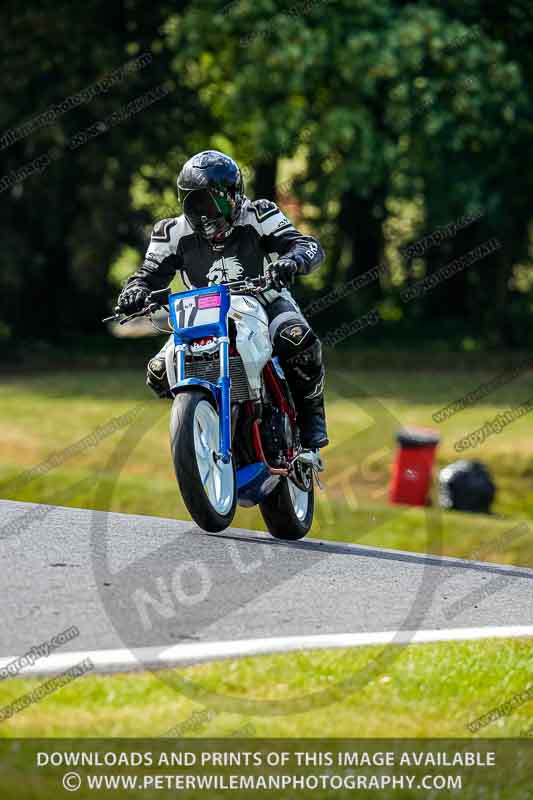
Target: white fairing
x,y
253,341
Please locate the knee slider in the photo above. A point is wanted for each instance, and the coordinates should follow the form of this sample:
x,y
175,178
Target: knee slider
x,y
156,376
293,338
157,367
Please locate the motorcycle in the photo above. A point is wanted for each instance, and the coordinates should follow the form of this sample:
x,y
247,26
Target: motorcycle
x,y
234,434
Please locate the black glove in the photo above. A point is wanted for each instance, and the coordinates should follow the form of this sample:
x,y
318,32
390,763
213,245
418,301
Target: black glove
x,y
282,272
132,299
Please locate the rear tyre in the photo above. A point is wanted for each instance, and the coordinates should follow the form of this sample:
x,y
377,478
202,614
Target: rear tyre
x,y
208,486
288,511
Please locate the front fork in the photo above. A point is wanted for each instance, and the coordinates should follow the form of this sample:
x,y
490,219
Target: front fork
x,y
224,402
221,392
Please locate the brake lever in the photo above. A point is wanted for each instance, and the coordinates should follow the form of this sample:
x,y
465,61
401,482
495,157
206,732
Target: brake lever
x,y
115,316
149,309
142,313
251,286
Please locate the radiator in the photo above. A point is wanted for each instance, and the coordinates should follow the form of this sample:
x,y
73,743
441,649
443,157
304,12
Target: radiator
x,y
210,371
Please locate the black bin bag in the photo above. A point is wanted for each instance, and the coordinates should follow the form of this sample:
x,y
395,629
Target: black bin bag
x,y
466,486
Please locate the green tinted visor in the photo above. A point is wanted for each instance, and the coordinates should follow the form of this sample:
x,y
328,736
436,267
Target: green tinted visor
x,y
208,204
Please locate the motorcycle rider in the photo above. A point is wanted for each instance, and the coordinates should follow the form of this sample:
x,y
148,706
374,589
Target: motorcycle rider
x,y
223,236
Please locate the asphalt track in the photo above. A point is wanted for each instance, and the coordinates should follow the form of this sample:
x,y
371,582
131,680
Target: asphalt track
x,y
130,581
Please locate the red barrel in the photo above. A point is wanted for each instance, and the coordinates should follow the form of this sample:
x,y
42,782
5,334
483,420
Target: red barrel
x,y
411,470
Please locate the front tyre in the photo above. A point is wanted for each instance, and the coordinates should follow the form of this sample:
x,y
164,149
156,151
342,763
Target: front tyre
x,y
207,485
288,510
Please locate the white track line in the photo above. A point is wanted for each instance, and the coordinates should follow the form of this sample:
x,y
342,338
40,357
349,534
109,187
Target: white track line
x,y
107,661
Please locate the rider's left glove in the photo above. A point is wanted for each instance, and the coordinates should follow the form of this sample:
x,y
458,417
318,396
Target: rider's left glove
x,y
282,272
132,299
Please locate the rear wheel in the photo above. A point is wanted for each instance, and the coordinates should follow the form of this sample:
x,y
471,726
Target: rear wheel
x,y
207,485
288,511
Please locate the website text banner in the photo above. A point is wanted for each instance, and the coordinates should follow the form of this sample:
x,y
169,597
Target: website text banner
x,y
280,768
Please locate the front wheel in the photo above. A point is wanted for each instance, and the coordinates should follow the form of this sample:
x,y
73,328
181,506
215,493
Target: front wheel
x,y
288,510
207,485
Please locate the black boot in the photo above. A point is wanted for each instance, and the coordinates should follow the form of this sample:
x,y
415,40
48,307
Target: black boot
x,y
312,423
305,375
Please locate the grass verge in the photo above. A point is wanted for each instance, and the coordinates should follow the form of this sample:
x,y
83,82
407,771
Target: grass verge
x,y
43,413
428,690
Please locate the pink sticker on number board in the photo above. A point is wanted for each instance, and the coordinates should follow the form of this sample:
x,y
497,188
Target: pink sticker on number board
x,y
209,301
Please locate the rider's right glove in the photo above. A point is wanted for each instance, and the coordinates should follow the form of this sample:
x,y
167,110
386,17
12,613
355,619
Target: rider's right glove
x,y
282,272
132,298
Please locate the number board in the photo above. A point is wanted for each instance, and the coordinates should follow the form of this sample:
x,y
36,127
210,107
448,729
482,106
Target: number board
x,y
196,310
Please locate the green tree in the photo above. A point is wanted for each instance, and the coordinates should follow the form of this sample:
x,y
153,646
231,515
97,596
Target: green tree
x,y
64,225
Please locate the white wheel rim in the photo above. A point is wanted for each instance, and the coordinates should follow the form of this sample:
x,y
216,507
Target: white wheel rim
x,y
217,477
299,500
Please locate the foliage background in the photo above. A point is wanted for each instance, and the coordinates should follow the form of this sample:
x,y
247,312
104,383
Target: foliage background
x,y
372,122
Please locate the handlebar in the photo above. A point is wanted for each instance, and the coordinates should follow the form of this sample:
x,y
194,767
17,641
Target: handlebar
x,y
244,286
249,285
116,317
